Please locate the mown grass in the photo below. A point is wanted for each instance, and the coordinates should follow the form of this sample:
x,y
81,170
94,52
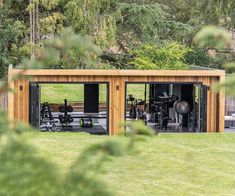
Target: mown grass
x,y
167,164
56,93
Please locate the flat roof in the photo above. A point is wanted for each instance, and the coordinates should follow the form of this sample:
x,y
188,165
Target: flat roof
x,y
196,67
92,72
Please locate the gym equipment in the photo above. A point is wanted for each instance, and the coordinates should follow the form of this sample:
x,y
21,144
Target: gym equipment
x,y
62,108
183,110
141,115
133,112
183,107
49,125
175,110
160,116
137,108
86,122
159,109
65,118
163,119
47,121
45,112
96,116
155,110
141,107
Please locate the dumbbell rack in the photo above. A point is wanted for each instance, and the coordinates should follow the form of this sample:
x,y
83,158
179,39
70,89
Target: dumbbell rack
x,y
65,118
47,121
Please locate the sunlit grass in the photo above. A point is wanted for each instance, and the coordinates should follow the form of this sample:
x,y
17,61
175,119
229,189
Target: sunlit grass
x,y
168,164
56,93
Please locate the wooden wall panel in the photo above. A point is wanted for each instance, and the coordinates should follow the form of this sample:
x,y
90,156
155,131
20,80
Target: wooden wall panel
x,y
221,104
117,81
17,100
11,97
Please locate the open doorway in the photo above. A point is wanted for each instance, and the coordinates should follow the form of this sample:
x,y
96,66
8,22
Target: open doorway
x,y
75,107
168,107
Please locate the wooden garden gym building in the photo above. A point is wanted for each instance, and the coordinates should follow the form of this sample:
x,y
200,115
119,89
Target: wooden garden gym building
x,y
166,100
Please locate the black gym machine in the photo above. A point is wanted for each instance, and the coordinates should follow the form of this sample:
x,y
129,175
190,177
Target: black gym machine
x,y
64,117
159,111
137,109
47,121
163,112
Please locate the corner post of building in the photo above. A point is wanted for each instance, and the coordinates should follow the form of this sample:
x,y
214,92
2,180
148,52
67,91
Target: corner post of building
x,y
10,94
117,105
221,102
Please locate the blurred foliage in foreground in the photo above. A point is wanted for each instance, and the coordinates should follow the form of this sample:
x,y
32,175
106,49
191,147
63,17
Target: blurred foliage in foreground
x,y
66,51
24,171
218,38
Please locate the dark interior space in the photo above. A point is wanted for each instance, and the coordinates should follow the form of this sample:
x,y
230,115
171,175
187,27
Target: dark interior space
x,y
168,107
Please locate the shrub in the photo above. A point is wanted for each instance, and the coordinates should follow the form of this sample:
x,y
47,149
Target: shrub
x,y
198,57
171,56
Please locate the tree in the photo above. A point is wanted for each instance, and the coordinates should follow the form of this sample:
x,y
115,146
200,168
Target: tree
x,y
22,28
169,56
146,23
93,17
67,51
12,35
117,26
219,38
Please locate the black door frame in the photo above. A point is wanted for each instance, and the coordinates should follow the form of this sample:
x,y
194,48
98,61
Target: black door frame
x,y
140,82
100,82
32,109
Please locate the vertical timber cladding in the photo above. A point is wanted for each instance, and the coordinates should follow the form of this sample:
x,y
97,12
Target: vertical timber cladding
x,y
18,103
117,104
215,101
221,104
20,106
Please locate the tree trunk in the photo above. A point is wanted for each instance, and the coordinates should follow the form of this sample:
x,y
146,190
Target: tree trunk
x,y
37,27
31,23
34,23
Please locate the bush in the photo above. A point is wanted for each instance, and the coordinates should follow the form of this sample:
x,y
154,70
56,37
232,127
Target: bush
x,y
171,56
198,57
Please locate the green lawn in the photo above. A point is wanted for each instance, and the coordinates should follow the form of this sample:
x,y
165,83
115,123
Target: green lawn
x,y
56,93
168,164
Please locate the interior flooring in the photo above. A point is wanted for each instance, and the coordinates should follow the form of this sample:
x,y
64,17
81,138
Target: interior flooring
x,y
99,123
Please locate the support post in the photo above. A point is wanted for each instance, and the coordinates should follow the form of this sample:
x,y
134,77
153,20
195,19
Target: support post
x,y
10,96
221,103
117,106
